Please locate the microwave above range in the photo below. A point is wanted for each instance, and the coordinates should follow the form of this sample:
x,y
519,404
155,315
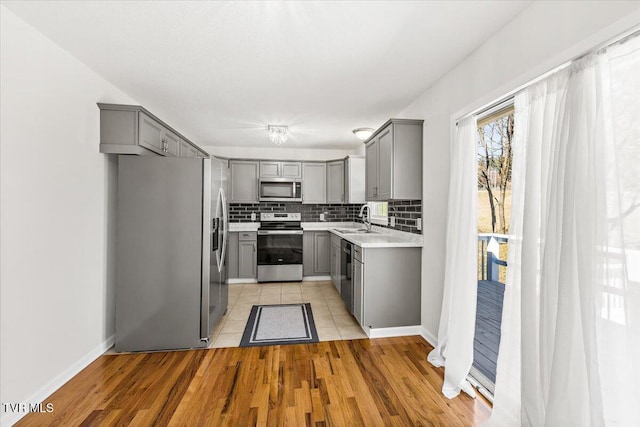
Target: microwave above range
x,y
280,190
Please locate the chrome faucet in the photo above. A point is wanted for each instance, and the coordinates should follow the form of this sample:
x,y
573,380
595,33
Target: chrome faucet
x,y
366,218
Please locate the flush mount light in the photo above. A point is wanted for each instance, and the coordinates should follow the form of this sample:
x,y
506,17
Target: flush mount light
x,y
363,133
278,134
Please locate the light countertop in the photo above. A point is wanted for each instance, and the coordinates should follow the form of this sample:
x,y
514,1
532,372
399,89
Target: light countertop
x,y
380,238
243,226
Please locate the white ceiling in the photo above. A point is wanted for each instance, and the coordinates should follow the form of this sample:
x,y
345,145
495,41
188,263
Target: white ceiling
x,y
220,72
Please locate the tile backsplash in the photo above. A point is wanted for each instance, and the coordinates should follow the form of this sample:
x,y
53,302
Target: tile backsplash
x,y
405,211
241,212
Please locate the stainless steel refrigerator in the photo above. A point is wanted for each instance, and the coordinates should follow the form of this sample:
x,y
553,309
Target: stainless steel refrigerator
x,y
171,282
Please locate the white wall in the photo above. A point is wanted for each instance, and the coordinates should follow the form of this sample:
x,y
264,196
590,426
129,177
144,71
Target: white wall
x,y
57,190
542,37
281,153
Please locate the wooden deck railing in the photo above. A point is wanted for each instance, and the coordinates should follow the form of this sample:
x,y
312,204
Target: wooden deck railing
x,y
490,255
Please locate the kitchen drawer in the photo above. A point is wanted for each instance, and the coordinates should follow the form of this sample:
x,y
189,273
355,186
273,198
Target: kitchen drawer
x,y
247,235
357,253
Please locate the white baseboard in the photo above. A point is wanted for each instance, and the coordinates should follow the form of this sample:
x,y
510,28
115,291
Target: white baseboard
x,y
315,278
429,337
401,331
10,418
239,281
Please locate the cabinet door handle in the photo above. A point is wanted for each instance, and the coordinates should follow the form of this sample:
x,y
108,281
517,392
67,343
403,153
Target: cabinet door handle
x,y
254,247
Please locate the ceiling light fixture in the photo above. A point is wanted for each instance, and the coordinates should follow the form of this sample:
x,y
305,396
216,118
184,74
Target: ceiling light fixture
x,y
363,133
278,134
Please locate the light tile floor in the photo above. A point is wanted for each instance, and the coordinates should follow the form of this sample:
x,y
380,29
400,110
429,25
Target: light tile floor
x,y
333,321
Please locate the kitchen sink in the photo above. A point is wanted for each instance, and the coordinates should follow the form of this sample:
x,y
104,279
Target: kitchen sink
x,y
354,231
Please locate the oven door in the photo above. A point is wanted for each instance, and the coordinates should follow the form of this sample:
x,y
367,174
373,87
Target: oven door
x,y
279,247
280,191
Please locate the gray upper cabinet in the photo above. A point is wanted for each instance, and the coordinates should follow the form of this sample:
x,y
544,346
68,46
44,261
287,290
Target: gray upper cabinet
x,y
371,152
335,182
131,129
172,144
269,169
276,169
354,180
394,161
244,181
291,170
150,134
314,182
385,147
188,150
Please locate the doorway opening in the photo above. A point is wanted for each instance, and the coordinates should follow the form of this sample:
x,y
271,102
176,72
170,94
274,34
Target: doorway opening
x,y
494,156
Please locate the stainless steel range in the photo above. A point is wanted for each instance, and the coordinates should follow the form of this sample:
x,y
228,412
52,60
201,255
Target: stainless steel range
x,y
279,247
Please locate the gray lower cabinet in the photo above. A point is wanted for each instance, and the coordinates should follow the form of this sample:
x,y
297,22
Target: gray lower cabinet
x,y
232,255
247,259
314,182
387,286
322,248
358,287
316,253
394,161
335,182
243,175
131,129
335,261
242,255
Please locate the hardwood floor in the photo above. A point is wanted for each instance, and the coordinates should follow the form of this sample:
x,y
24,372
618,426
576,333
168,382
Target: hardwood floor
x,y
380,382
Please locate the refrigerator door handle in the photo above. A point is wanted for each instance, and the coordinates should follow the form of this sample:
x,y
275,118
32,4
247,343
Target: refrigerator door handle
x,y
222,199
209,232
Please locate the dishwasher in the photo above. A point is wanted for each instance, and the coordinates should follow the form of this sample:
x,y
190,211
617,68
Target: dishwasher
x,y
346,284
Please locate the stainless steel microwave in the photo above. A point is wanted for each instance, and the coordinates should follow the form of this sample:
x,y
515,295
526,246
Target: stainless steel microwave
x,y
280,190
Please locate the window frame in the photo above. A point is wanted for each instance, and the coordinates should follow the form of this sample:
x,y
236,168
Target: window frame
x,y
374,209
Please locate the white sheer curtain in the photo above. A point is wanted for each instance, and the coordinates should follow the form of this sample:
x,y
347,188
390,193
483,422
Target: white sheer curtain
x,y
457,320
570,348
